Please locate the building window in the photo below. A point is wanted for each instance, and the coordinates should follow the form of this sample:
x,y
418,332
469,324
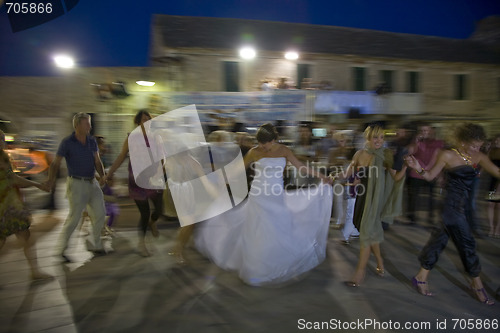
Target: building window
x,y
387,78
460,87
303,72
359,79
231,76
412,82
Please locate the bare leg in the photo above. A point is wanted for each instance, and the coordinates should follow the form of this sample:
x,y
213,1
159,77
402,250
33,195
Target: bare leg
x,y
359,274
141,246
30,253
378,256
182,239
420,282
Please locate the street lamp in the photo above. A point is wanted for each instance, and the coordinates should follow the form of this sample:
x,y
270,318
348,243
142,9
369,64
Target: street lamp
x,y
291,55
64,61
145,83
247,53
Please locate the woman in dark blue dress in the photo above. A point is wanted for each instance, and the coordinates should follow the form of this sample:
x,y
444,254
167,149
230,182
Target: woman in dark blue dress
x,y
461,164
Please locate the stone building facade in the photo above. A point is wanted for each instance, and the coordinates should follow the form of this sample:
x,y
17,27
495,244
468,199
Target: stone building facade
x,y
454,79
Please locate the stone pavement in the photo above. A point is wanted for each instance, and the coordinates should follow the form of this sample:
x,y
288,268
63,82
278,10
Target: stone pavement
x,y
124,292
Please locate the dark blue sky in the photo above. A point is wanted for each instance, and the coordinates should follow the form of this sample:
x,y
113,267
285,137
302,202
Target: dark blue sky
x,y
116,32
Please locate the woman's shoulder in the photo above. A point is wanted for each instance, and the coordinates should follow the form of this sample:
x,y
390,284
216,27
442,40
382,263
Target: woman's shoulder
x,y
359,153
282,147
447,153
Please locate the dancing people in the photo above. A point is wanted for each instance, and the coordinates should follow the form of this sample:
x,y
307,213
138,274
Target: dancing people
x,y
461,164
274,236
379,196
15,217
83,191
140,195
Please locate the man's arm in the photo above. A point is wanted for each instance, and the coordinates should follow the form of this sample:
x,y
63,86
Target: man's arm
x,y
53,170
99,167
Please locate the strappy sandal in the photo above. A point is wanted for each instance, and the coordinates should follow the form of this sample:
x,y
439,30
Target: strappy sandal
x,y
421,287
482,296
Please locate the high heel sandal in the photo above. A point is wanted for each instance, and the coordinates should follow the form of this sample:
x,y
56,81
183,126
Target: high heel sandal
x,y
380,272
179,258
353,283
482,293
421,287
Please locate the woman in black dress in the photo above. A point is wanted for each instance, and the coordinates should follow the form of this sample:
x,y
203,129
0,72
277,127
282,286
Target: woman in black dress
x,y
461,164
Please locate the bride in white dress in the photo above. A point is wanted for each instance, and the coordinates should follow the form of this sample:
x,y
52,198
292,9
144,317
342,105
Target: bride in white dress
x,y
273,236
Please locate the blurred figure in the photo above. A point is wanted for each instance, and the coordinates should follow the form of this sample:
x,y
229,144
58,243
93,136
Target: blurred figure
x,y
425,149
141,196
400,144
349,230
245,141
15,217
399,147
461,164
283,84
103,150
51,204
340,157
494,191
266,86
111,204
338,161
83,191
304,148
326,144
305,151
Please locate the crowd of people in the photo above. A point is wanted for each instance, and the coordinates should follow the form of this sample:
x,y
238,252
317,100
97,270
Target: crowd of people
x,y
279,233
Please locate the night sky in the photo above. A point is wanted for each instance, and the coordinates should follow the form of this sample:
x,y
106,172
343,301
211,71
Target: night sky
x,y
116,32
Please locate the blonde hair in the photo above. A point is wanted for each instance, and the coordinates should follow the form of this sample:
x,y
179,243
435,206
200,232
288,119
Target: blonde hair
x,y
220,136
340,136
372,131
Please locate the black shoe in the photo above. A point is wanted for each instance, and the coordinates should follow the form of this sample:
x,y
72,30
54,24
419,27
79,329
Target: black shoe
x,y
411,219
65,258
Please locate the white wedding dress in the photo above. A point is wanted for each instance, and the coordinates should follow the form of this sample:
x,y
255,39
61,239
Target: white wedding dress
x,y
274,235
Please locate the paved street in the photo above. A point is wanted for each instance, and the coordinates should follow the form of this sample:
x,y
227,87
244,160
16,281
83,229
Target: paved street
x,y
124,292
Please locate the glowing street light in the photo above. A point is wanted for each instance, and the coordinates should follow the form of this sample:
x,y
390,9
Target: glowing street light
x,y
145,83
291,55
247,53
64,61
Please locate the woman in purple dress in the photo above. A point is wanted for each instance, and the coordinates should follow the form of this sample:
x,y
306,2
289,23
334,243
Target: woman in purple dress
x,y
140,195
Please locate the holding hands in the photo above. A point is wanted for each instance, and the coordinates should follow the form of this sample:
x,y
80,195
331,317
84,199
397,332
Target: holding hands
x,y
412,162
44,187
